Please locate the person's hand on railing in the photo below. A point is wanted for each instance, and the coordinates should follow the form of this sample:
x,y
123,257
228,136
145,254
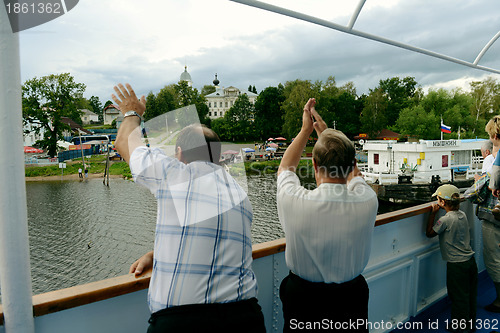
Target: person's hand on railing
x,y
143,264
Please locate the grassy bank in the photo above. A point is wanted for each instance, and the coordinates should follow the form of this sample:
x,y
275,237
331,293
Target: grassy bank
x,y
98,163
95,164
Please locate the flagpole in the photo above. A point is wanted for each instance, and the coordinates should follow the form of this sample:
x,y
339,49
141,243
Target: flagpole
x,y
441,128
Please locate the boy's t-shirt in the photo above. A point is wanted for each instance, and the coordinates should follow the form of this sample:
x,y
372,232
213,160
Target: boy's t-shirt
x,y
454,236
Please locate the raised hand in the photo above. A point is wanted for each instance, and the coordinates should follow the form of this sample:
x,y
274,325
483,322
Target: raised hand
x,y
127,100
307,121
319,124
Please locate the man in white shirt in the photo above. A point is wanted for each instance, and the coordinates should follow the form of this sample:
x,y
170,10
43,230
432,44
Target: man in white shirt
x,y
328,232
488,158
202,278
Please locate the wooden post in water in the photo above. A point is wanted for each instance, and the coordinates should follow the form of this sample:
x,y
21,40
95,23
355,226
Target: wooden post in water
x,y
81,148
15,275
106,168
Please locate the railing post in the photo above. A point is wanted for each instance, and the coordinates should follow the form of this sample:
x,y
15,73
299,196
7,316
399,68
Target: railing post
x,y
15,277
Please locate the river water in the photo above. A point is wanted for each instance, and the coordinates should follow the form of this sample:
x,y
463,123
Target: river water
x,y
83,231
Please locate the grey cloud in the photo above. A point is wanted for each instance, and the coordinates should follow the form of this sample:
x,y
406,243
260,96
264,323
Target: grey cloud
x,y
310,52
303,51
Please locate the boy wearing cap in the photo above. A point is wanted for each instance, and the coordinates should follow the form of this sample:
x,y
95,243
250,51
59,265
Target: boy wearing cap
x,y
461,269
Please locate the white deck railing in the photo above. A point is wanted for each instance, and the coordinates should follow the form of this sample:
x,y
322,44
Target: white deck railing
x,y
403,261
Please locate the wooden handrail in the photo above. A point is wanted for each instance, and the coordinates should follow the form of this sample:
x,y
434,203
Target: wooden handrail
x,y
63,299
402,214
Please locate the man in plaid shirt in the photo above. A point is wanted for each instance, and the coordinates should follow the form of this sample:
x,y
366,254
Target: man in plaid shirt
x,y
202,277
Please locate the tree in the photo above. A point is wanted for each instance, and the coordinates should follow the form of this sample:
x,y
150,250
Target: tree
x,y
207,90
453,107
373,118
151,109
186,95
96,106
221,127
486,101
339,107
46,100
437,101
296,94
268,113
108,102
161,103
239,119
252,89
415,121
399,94
463,102
347,110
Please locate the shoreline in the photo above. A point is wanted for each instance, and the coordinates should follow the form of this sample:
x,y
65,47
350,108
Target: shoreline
x,y
69,177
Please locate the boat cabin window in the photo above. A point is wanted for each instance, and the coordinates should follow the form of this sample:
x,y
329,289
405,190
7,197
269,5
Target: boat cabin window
x,y
375,158
445,161
461,157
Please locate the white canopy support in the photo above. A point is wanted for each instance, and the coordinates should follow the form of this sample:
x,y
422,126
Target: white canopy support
x,y
486,47
15,276
348,30
355,15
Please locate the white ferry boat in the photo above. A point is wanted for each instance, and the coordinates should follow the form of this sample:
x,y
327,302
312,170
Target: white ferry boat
x,y
390,162
409,172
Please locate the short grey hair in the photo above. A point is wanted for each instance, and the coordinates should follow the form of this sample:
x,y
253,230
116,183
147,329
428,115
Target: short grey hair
x,y
487,145
334,154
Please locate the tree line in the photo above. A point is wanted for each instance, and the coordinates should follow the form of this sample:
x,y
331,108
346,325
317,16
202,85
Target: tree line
x,y
398,104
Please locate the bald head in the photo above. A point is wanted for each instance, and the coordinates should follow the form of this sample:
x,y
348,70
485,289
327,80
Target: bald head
x,y
198,143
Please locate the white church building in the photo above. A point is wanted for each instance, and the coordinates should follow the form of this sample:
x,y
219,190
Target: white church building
x,y
220,101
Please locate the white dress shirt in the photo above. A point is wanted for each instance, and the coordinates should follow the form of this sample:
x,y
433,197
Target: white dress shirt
x,y
329,229
488,163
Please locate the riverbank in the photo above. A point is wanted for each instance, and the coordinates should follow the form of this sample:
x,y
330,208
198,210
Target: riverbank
x,y
69,177
121,170
96,166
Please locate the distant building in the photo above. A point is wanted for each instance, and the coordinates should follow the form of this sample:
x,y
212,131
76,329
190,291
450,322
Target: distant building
x,y
74,128
185,76
89,117
110,113
220,101
30,134
384,134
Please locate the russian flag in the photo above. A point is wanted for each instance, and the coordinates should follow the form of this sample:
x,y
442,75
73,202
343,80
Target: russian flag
x,y
445,129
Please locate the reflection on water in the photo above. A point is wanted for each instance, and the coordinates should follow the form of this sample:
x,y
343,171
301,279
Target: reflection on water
x,y
262,195
84,231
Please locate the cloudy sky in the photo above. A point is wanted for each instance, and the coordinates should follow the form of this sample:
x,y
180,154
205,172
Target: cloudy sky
x,y
148,43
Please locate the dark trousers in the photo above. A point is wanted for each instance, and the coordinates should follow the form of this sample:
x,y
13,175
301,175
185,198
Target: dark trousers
x,y
242,316
461,282
324,306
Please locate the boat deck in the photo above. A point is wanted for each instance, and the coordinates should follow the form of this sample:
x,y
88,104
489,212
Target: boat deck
x,y
440,312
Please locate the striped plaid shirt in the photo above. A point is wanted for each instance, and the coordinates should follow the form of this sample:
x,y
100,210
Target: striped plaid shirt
x,y
203,248
480,194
